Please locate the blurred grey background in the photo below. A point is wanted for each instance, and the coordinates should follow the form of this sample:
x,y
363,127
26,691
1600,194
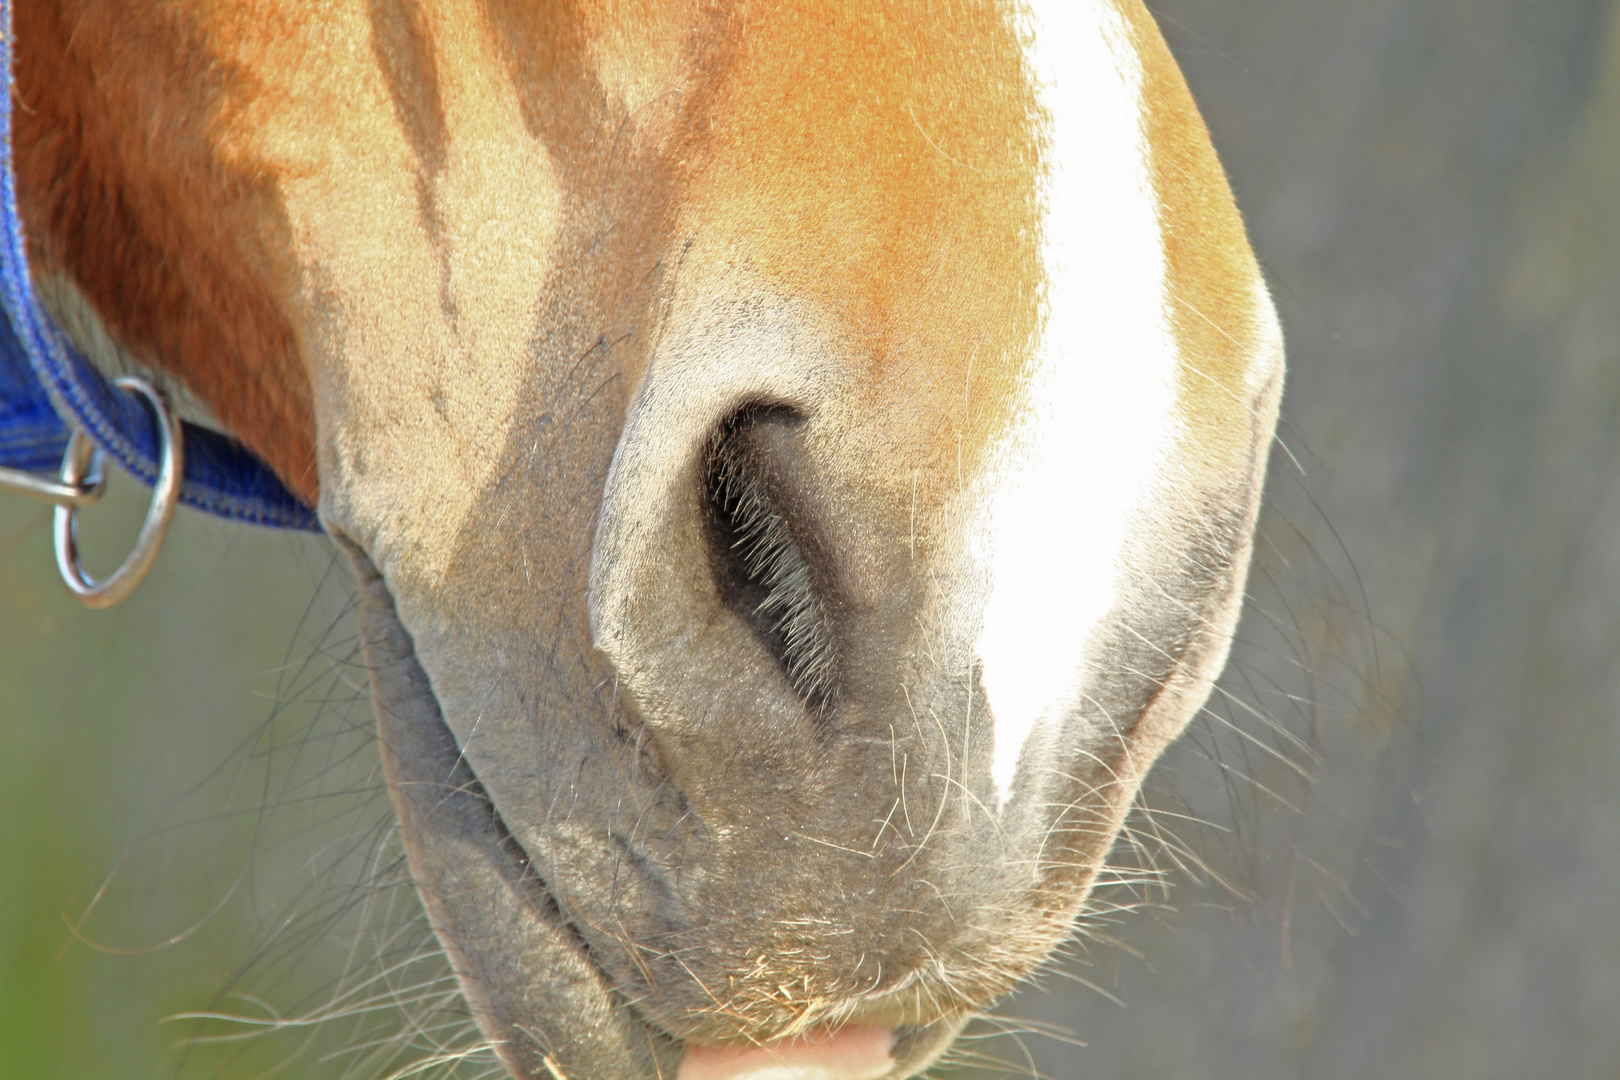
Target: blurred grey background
x,y
1390,849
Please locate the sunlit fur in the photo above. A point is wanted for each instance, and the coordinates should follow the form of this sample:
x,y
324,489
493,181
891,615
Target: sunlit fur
x,y
799,460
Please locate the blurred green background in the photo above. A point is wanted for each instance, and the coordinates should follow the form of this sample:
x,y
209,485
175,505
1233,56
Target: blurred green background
x,y
131,755
1392,847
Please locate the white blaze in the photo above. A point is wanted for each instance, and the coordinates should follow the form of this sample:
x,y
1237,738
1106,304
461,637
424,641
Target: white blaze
x,y
1061,487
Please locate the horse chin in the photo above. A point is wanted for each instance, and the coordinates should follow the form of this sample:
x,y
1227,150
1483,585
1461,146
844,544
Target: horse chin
x,y
536,990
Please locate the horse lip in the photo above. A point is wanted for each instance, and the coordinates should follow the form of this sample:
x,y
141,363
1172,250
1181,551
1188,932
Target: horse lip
x,y
910,1048
541,985
844,1053
530,977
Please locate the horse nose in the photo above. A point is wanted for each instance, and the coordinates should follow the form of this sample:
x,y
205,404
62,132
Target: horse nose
x,y
724,596
848,1053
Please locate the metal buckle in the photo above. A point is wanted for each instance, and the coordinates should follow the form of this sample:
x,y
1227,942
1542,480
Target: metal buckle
x,y
81,482
83,479
46,489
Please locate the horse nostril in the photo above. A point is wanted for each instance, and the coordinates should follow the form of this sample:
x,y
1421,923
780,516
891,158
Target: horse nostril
x,y
763,550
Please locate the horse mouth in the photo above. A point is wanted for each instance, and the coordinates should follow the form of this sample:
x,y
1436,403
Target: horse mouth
x,y
540,996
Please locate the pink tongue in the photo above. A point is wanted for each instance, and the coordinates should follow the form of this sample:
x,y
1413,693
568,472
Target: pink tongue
x,y
850,1053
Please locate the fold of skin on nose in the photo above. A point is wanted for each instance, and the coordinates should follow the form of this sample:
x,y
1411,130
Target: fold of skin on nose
x,y
849,1053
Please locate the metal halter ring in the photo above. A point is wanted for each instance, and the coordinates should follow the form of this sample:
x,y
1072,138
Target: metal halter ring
x,y
81,469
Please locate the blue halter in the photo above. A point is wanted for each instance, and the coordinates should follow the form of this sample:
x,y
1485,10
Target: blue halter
x,y
47,388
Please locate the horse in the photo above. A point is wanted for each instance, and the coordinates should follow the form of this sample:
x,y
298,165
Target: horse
x,y
799,461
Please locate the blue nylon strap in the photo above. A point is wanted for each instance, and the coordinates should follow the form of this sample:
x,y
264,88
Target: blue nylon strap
x,y
37,365
32,436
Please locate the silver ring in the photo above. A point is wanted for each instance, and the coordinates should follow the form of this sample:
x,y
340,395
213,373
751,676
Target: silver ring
x,y
82,461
